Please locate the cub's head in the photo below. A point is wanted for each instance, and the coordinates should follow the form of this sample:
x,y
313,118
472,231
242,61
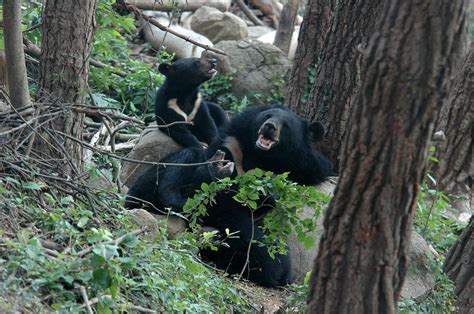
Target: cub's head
x,y
189,71
278,129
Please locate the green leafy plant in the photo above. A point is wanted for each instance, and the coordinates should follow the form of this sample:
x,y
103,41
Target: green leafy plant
x,y
290,199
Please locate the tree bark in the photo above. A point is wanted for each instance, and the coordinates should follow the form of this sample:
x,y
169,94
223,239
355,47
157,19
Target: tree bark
x,y
362,257
15,57
315,26
455,167
459,267
67,31
338,71
286,26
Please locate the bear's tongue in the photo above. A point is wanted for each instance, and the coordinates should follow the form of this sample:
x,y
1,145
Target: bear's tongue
x,y
212,71
264,143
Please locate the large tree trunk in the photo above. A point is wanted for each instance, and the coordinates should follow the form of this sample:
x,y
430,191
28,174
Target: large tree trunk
x,y
459,266
455,167
338,71
362,257
68,28
313,32
15,57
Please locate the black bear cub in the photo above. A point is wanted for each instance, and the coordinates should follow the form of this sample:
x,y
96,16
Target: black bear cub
x,y
178,99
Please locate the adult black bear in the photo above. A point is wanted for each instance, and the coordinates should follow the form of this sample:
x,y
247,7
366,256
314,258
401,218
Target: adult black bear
x,y
170,186
178,99
275,139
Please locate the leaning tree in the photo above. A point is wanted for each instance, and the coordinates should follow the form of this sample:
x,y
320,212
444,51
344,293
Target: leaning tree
x,y
362,257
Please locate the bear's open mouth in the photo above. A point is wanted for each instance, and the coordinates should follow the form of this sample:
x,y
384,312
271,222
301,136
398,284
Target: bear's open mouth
x,y
265,143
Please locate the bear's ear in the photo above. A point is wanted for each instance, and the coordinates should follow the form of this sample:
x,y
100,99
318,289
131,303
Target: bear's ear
x,y
164,68
317,131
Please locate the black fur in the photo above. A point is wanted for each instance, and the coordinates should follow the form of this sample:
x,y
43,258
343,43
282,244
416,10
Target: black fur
x,y
163,187
183,78
261,269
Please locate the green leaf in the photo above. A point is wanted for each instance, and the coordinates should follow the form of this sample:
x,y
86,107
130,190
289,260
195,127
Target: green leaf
x,y
82,222
31,186
107,251
102,278
308,242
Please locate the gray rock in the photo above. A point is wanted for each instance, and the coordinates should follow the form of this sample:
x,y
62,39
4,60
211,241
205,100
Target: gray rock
x,y
153,145
258,31
302,260
218,26
153,222
419,279
255,66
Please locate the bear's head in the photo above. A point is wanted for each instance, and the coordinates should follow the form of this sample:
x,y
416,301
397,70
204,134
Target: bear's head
x,y
280,129
189,71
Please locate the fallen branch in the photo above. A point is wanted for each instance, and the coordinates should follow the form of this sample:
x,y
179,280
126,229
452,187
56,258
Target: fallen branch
x,y
85,297
248,12
137,12
181,5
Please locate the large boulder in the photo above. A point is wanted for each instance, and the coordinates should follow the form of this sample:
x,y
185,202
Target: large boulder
x,y
153,145
256,67
270,38
419,279
302,260
218,26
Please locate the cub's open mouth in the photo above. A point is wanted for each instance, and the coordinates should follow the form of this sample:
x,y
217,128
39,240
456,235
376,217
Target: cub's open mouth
x,y
265,143
212,71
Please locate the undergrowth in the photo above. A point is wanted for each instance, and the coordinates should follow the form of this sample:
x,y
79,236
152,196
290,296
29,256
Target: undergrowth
x,y
53,251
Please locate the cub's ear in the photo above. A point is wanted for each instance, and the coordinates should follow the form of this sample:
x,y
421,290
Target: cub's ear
x,y
317,131
164,68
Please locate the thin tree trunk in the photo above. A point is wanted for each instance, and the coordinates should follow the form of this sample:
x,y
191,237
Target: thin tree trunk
x,y
286,26
362,257
338,71
459,266
315,26
455,165
68,28
15,57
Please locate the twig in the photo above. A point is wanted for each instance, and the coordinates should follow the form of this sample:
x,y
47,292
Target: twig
x,y
133,9
86,298
246,264
115,242
248,13
152,163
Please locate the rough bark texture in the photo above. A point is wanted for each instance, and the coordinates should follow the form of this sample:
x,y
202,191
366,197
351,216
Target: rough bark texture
x,y
315,26
362,257
67,29
15,57
455,168
286,26
459,266
338,71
